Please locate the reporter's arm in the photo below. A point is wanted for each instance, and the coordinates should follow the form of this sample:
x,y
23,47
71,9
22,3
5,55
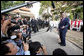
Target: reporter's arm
x,y
44,50
26,48
27,52
4,26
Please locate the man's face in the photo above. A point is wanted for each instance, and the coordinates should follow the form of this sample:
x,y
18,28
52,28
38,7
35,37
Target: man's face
x,y
63,15
20,35
13,49
9,17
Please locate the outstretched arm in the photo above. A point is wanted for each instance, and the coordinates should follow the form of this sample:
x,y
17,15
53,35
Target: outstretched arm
x,y
44,50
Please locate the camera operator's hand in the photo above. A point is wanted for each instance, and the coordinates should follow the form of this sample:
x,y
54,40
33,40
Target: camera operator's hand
x,y
26,46
63,27
44,50
57,29
12,24
6,22
5,26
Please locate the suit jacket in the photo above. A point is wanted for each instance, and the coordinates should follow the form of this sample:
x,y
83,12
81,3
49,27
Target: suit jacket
x,y
64,22
33,22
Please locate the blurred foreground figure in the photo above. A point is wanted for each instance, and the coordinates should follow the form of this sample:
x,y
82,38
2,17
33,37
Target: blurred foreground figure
x,y
59,52
8,48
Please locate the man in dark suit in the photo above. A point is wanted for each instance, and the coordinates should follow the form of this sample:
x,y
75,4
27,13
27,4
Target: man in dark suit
x,y
33,23
63,26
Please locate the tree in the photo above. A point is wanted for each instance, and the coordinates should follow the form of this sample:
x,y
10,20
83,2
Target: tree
x,y
46,16
44,5
8,4
64,6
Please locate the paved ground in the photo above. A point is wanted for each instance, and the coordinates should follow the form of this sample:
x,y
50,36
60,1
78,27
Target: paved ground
x,y
75,36
50,40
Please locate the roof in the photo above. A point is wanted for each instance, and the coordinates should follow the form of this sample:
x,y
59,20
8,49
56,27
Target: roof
x,y
24,9
22,13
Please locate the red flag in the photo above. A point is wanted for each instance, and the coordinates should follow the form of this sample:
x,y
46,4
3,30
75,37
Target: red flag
x,y
75,24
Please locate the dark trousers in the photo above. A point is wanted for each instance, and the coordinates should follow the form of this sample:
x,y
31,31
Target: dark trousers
x,y
48,28
62,37
24,39
34,29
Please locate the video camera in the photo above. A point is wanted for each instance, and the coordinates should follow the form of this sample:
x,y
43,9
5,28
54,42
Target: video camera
x,y
24,37
13,21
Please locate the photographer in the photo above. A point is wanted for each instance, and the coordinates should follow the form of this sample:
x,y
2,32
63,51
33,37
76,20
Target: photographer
x,y
59,51
8,48
36,48
24,34
12,28
3,18
5,27
28,32
16,39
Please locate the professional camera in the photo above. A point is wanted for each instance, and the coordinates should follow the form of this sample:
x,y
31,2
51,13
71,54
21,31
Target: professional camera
x,y
15,27
24,37
13,21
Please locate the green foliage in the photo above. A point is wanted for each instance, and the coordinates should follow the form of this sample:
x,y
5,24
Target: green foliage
x,y
68,8
44,5
81,15
78,10
71,16
46,16
41,10
5,4
8,4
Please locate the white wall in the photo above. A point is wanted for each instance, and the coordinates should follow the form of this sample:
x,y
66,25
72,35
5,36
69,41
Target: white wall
x,y
35,9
